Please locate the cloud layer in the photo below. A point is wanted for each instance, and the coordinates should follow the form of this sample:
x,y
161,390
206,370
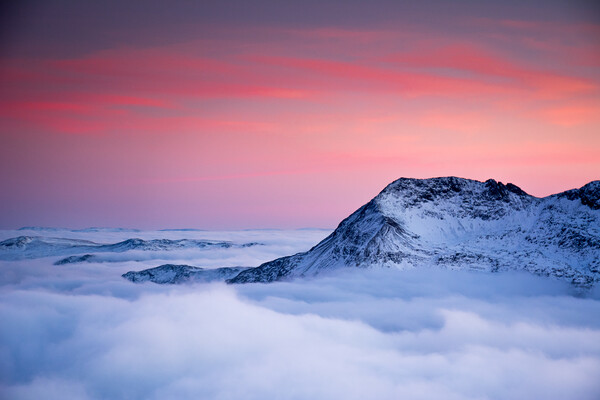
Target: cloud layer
x,y
85,333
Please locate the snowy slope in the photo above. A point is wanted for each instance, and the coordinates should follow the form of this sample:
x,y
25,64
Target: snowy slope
x,y
457,223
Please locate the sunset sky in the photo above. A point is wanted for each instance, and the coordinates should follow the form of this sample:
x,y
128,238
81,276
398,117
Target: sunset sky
x,y
272,114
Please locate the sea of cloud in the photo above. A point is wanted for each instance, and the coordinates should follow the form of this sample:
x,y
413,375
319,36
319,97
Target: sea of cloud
x,y
82,332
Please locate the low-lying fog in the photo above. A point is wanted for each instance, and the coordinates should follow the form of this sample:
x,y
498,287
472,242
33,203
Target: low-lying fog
x,y
81,331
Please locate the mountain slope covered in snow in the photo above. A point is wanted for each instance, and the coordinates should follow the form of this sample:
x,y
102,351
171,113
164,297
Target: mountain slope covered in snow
x,y
457,223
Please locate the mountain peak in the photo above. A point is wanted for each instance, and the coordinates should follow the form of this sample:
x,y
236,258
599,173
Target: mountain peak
x,y
500,191
452,222
445,187
589,195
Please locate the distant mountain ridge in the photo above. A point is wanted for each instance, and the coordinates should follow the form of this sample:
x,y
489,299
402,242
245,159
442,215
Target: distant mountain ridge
x,y
27,247
458,223
171,274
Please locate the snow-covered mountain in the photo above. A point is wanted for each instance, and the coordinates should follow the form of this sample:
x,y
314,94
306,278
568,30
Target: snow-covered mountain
x,y
170,273
457,223
24,247
45,229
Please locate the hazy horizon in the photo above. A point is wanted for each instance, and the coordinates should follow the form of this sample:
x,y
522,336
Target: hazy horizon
x,y
83,226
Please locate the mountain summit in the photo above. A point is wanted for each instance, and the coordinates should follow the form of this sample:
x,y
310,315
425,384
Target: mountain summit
x,y
458,223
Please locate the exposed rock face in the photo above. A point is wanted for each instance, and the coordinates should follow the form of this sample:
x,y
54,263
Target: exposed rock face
x,y
458,223
589,195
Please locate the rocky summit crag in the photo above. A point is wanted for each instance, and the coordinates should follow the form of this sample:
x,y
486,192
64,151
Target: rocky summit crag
x,y
457,223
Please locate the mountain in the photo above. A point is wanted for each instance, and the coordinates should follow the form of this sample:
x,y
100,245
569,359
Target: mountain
x,y
77,259
170,273
27,247
457,223
91,229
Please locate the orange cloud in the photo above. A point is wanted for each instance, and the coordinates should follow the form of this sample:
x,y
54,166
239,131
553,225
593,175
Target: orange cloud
x,y
572,115
485,66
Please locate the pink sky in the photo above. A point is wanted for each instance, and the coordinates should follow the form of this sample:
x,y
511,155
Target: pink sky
x,y
241,125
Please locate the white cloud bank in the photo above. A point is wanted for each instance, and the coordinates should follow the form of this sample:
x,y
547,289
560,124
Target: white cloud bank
x,y
85,333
